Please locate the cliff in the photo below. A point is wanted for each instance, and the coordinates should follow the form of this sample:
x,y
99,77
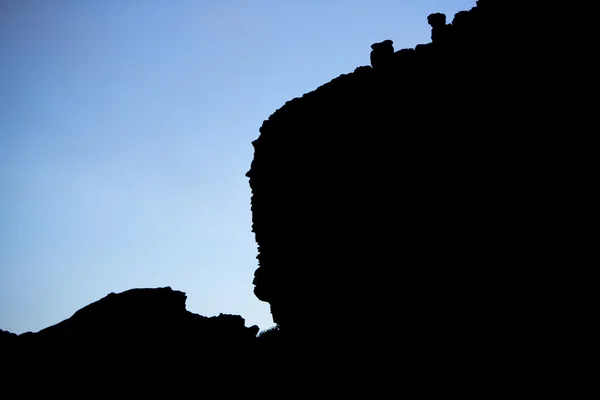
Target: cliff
x,y
403,202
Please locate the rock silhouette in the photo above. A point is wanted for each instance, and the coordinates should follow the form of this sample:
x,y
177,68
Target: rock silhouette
x,y
396,208
137,317
144,314
147,332
382,54
404,195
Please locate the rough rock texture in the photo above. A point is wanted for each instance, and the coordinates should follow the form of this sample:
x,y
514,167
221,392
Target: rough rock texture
x,y
382,54
403,200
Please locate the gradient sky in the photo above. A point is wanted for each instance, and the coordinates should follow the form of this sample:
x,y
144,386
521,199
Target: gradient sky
x,y
126,130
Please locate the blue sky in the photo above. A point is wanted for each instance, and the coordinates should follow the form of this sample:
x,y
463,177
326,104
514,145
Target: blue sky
x,y
126,130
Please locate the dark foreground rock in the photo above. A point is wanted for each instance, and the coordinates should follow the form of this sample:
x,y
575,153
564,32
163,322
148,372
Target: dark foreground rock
x,y
401,211
140,317
140,332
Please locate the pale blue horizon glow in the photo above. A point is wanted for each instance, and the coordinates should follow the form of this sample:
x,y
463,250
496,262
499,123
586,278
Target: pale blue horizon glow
x,y
126,130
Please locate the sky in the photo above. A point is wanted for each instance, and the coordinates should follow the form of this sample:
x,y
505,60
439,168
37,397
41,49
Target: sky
x,y
126,130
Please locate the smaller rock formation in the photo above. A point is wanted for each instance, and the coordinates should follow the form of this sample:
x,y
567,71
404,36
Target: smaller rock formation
x,y
382,53
146,330
438,27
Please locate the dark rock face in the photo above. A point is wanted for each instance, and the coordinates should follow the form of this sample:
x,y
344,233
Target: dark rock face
x,y
148,327
406,194
7,337
150,313
438,27
382,53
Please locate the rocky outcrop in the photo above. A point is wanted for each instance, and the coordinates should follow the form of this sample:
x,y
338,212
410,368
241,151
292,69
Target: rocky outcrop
x,y
404,194
439,28
382,54
139,323
7,337
145,313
